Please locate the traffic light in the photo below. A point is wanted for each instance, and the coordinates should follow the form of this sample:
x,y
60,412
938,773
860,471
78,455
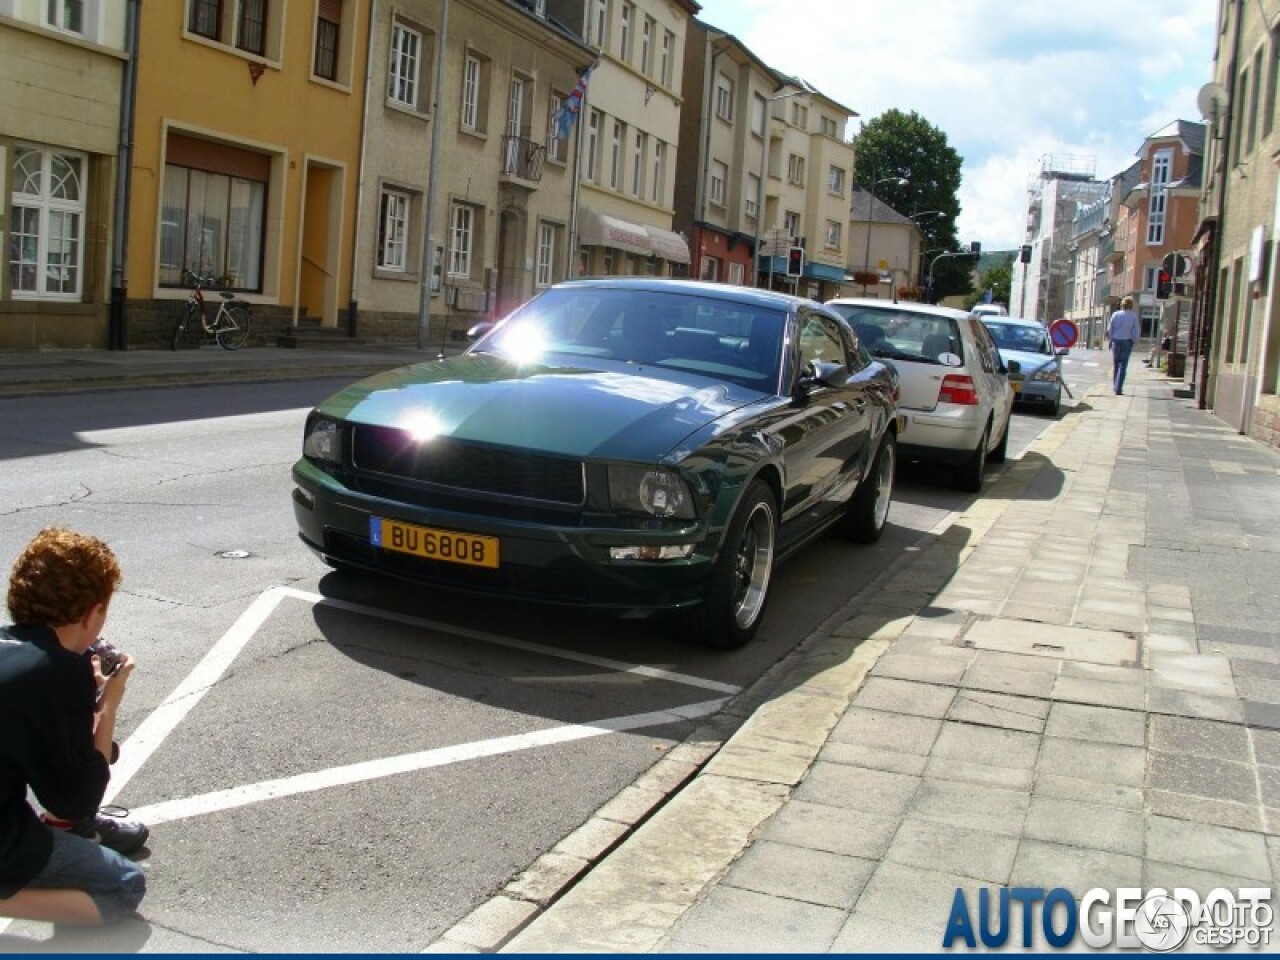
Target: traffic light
x,y
1164,284
795,262
1025,254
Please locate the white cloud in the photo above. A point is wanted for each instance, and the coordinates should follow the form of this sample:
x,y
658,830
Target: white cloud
x,y
1007,83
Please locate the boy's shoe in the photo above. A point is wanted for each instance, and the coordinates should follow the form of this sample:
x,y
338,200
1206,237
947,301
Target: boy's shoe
x,y
110,827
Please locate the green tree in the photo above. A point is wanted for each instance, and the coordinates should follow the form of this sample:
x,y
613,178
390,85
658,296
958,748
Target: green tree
x,y
998,278
906,146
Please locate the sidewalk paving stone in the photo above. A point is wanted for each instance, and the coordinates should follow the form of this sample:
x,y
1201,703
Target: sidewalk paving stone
x,y
817,826
1102,762
882,729
1088,791
905,696
1076,824
962,851
1077,721
999,710
879,792
810,876
1099,693
1201,738
1208,847
1048,865
1025,683
874,758
743,921
975,806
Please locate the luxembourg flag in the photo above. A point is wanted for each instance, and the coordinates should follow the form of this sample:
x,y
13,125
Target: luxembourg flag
x,y
568,111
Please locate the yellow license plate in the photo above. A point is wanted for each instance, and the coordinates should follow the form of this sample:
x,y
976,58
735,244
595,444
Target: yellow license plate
x,y
432,544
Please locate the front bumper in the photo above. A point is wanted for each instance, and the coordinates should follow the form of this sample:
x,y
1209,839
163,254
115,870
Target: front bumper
x,y
544,562
1037,392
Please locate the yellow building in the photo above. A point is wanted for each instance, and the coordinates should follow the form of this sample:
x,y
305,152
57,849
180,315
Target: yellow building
x,y
247,133
61,76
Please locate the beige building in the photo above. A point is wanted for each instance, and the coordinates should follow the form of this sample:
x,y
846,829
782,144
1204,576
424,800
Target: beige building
x,y
62,66
629,135
503,195
1235,312
883,243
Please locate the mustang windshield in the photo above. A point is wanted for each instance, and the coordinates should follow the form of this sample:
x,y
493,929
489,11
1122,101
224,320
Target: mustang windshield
x,y
719,338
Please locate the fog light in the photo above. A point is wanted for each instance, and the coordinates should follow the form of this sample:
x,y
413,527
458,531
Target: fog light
x,y
677,552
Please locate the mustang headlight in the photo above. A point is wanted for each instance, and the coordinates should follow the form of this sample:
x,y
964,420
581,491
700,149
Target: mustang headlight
x,y
651,490
320,441
1046,375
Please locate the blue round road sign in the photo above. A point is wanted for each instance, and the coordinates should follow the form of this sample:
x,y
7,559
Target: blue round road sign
x,y
1063,333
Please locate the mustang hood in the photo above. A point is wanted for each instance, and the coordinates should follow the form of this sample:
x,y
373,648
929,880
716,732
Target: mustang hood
x,y
611,410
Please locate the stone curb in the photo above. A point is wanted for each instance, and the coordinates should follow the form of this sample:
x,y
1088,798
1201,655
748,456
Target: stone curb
x,y
729,781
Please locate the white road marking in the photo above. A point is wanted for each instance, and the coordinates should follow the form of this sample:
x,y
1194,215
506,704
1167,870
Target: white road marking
x,y
219,800
153,731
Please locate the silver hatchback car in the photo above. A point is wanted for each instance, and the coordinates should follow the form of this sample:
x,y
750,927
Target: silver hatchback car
x,y
955,390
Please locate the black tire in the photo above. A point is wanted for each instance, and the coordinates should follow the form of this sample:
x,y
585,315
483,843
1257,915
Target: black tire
x,y
1001,451
233,335
738,587
867,513
1057,403
968,475
182,330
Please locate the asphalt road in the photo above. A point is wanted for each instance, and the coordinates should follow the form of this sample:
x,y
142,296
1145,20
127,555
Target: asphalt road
x,y
334,762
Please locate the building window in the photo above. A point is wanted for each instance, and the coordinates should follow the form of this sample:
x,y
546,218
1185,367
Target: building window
x,y
637,163
668,56
719,174
328,30
206,18
795,169
751,202
835,181
461,239
557,146
548,243
759,109
66,15
615,154
659,168
737,273
624,34
393,230
251,32
646,46
724,98
1161,164
46,222
829,128
709,269
1255,100
471,82
791,222
1269,109
833,235
214,224
800,116
593,146
599,24
406,64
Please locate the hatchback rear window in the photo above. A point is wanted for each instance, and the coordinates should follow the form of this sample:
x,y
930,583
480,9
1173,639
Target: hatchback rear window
x,y
903,334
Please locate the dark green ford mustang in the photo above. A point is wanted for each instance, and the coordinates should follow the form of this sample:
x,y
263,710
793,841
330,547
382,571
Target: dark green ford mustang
x,y
630,443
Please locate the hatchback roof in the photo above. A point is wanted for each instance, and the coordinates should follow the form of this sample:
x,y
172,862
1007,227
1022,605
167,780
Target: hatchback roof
x,y
913,306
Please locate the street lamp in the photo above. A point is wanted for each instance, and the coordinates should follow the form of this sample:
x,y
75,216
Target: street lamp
x,y
764,172
871,192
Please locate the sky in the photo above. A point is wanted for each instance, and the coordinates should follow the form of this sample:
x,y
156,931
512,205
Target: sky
x,y
1008,83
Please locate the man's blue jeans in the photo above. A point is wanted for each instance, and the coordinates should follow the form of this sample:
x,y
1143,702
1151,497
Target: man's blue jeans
x,y
115,883
1120,352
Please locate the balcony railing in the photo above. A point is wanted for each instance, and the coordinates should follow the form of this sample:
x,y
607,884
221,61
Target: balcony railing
x,y
522,158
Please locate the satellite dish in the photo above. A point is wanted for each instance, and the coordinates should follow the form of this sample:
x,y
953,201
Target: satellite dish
x,y
1211,99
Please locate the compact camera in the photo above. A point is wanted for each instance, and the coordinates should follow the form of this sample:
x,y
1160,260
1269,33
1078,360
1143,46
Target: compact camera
x,y
109,657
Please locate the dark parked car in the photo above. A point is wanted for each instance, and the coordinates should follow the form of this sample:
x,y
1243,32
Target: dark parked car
x,y
628,444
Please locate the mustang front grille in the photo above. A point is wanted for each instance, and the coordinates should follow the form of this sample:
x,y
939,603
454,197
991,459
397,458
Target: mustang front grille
x,y
469,467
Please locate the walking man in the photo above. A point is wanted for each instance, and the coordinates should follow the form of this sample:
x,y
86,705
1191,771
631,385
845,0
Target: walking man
x,y
1123,330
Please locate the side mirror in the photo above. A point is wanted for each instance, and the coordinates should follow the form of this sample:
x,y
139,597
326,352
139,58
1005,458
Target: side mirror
x,y
479,330
827,374
1014,366
1062,351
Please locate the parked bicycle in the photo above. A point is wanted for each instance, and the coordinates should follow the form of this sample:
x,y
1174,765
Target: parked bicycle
x,y
230,325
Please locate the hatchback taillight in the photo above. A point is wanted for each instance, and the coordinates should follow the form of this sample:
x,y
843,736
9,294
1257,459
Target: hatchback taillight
x,y
958,388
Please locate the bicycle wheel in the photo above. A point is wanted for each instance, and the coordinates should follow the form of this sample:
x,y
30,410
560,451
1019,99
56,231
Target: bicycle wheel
x,y
233,327
187,321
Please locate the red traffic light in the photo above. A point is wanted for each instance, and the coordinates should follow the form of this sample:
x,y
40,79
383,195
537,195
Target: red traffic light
x,y
795,262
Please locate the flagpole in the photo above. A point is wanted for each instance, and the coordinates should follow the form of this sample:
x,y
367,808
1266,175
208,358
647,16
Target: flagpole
x,y
576,191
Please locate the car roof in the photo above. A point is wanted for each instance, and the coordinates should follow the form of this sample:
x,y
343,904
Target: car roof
x,y
912,306
1016,321
722,291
